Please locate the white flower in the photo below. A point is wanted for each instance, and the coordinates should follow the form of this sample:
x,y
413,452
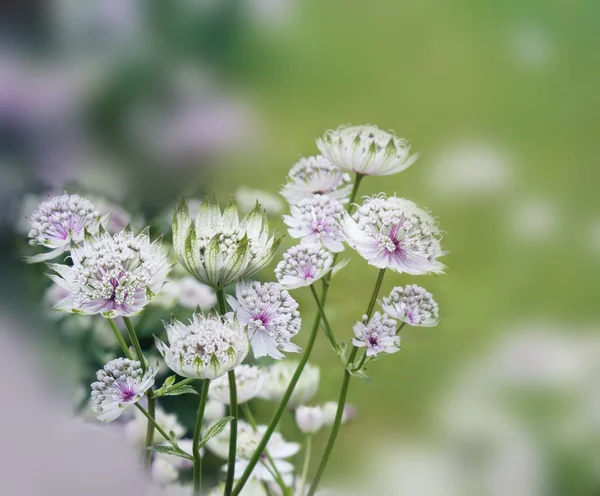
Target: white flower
x,y
214,411
329,411
163,472
394,233
280,375
249,381
135,429
247,441
271,315
112,275
302,265
60,221
207,348
413,305
366,150
377,335
316,175
309,419
247,199
121,383
316,220
218,249
193,294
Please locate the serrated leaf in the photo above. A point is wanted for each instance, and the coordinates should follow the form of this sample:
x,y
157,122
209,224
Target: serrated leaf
x,y
169,450
215,429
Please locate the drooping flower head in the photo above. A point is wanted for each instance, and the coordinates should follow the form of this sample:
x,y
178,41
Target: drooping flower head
x,y
377,334
394,233
271,315
207,348
217,248
309,418
316,220
279,377
413,305
60,221
316,175
112,275
249,381
366,150
302,265
120,384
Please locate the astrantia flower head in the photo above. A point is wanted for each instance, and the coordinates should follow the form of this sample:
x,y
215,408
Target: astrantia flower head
x,y
366,150
249,381
279,377
271,315
217,248
394,233
316,175
302,265
121,383
329,411
377,334
413,305
60,221
316,220
309,419
112,275
207,348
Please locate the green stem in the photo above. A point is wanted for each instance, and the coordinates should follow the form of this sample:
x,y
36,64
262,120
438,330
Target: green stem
x,y
196,440
135,342
120,339
328,330
157,427
357,181
307,453
343,394
184,382
400,327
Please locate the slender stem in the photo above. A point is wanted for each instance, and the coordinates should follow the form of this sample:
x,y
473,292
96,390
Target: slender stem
x,y
184,382
196,440
343,394
362,361
248,414
156,426
357,181
135,342
400,327
120,339
328,330
307,450
150,429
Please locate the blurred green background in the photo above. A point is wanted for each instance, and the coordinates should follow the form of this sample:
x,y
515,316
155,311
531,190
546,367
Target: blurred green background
x,y
498,98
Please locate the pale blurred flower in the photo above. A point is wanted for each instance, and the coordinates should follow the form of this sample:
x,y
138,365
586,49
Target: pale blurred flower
x,y
536,219
112,275
309,418
121,383
219,249
60,221
316,220
366,150
214,411
193,294
329,411
279,377
247,199
249,381
413,305
316,175
207,348
135,429
303,265
471,170
163,472
377,334
394,233
271,316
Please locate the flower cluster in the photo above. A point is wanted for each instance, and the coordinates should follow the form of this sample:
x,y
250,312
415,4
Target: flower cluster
x,y
302,265
121,383
377,334
413,305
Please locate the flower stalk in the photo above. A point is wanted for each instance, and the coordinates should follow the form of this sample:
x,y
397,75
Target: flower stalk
x,y
197,438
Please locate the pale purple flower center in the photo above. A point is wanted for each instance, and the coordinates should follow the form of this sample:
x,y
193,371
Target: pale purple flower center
x,y
262,318
127,391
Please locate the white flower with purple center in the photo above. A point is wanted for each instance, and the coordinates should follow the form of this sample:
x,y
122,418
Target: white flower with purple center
x,y
378,334
366,150
413,305
316,220
316,175
249,381
120,384
302,265
217,248
270,314
112,275
394,233
207,348
60,221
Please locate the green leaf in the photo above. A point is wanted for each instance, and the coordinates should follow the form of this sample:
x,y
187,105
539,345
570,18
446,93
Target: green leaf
x,y
169,381
169,450
215,429
176,391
